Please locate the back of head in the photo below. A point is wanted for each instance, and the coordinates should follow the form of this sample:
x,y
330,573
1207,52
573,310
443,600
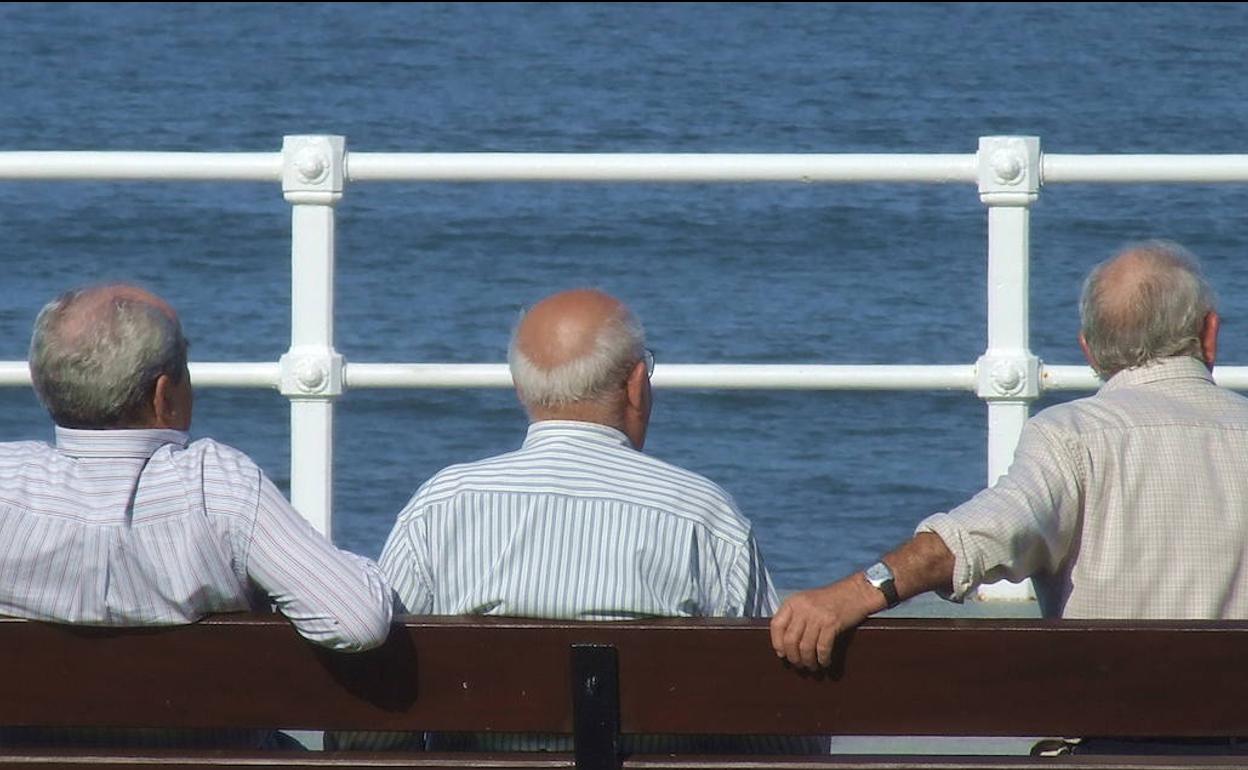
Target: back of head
x,y
576,347
1148,302
96,354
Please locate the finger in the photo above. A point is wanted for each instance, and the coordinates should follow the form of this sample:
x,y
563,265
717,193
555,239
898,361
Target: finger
x,y
810,638
793,639
780,622
827,637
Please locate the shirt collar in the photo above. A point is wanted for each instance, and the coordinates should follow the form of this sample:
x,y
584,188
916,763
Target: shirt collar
x,y
139,443
553,430
1174,368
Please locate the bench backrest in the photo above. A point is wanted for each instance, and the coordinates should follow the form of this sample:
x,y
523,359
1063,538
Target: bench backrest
x,y
890,677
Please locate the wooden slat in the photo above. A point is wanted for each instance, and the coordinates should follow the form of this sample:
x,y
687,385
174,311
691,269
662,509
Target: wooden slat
x,y
173,760
891,677
179,760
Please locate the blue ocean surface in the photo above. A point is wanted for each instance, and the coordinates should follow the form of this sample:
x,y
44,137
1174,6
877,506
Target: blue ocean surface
x,y
734,273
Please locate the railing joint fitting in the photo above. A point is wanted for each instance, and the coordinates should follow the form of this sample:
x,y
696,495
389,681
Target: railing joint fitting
x,y
314,168
1008,375
1009,170
312,373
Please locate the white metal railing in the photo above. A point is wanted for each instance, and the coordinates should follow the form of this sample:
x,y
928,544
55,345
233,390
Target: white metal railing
x,y
314,171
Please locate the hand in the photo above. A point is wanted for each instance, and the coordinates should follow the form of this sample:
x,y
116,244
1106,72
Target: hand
x,y
808,622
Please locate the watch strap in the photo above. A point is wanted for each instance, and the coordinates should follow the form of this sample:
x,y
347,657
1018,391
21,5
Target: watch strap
x,y
880,576
890,593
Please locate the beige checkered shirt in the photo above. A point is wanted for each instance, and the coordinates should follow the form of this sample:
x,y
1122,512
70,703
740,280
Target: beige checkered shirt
x,y
1132,503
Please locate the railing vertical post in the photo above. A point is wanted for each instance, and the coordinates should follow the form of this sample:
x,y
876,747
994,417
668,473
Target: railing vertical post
x,y
313,175
1008,374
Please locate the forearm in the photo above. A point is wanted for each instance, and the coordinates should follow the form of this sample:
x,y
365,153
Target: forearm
x,y
334,598
805,627
923,563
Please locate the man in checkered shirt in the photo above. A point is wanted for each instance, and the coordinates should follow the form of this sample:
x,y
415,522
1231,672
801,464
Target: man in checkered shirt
x,y
1131,503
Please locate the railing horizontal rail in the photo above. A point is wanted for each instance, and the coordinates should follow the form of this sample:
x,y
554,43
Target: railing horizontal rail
x,y
718,376
1144,168
614,167
1058,377
656,167
211,375
1067,378
248,375
145,166
670,376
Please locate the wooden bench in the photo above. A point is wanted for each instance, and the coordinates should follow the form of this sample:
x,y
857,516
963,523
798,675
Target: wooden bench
x,y
890,678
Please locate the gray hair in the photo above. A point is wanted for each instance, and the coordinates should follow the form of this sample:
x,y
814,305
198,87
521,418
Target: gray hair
x,y
594,376
1158,311
103,373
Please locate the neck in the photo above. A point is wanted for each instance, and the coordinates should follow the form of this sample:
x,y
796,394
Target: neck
x,y
600,414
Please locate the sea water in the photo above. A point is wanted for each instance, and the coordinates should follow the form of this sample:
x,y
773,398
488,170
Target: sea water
x,y
733,273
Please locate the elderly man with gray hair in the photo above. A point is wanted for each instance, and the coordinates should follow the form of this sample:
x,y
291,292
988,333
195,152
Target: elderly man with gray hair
x,y
577,523
1131,503
126,522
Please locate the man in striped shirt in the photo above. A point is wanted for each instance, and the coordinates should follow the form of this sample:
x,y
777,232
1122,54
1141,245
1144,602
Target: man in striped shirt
x,y
125,522
578,523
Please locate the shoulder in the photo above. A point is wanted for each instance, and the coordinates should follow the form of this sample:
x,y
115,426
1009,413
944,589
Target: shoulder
x,y
11,449
683,493
1070,414
215,457
1108,408
454,480
617,473
1194,402
17,454
459,476
685,481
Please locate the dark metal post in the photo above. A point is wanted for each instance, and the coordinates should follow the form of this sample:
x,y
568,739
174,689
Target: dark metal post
x,y
596,706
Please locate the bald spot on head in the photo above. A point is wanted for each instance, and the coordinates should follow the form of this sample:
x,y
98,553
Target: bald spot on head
x,y
565,326
1149,302
98,356
95,304
1121,283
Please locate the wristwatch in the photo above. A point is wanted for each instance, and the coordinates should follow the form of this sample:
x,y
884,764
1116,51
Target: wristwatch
x,y
880,576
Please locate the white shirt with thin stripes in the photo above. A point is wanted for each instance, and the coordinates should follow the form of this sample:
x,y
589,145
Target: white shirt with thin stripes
x,y
576,524
138,527
579,525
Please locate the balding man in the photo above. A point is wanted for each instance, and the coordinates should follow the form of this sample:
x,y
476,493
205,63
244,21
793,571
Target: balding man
x,y
577,523
125,522
1132,503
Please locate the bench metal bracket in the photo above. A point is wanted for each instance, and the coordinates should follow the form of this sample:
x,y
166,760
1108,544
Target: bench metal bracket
x,y
596,706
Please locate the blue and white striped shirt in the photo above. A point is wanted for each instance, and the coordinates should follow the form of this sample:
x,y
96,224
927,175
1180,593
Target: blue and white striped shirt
x,y
576,524
138,527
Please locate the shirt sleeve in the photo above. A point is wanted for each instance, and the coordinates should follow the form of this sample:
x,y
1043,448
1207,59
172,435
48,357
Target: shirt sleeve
x,y
402,564
746,590
761,600
334,598
1022,525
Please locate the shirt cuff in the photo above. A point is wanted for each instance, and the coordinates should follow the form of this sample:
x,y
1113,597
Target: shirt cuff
x,y
947,529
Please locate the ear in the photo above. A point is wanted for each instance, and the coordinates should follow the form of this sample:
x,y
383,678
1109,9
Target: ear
x,y
1209,337
164,403
637,406
635,386
1087,351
